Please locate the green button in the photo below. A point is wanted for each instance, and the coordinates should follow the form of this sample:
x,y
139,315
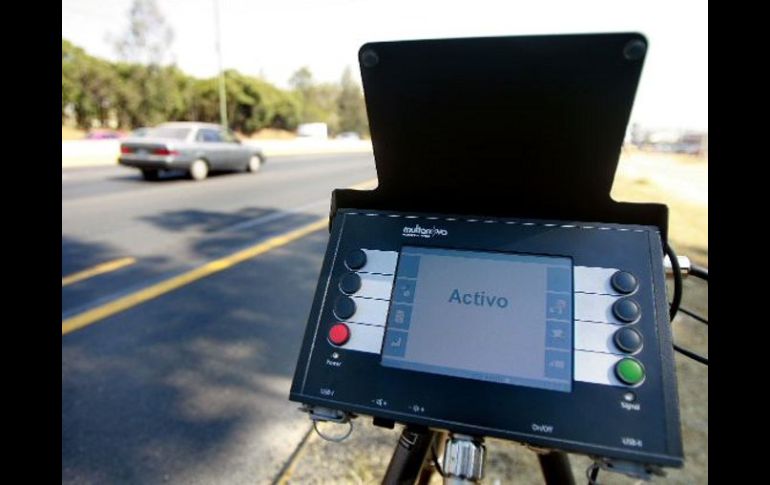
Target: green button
x,y
629,371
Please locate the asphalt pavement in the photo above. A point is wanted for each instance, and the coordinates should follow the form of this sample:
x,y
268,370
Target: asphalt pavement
x,y
189,383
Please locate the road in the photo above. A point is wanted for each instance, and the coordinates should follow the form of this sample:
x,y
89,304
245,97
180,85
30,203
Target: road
x,y
188,384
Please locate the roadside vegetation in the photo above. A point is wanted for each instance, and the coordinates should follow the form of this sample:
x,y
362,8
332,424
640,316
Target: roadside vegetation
x,y
144,88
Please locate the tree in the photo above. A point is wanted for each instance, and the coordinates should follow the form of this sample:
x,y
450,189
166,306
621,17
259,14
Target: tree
x,y
98,83
276,108
70,81
88,86
254,104
318,101
302,80
95,90
350,105
148,37
149,92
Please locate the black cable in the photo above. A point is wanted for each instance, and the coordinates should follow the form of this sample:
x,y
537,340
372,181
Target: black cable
x,y
593,474
677,298
693,315
699,272
435,460
692,355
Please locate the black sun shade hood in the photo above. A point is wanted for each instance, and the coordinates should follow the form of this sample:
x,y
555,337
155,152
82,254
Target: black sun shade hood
x,y
527,127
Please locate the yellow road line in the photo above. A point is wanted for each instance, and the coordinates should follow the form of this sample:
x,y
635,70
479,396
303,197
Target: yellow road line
x,y
108,309
97,270
123,303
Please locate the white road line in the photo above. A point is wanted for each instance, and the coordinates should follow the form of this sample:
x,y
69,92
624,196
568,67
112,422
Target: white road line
x,y
271,217
368,184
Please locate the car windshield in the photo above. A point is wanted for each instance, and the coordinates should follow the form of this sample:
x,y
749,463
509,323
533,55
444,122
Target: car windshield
x,y
167,132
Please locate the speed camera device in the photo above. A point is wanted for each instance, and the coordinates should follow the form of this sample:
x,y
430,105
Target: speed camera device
x,y
490,286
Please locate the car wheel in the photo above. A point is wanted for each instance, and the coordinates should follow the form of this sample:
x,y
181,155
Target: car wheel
x,y
199,170
255,163
149,174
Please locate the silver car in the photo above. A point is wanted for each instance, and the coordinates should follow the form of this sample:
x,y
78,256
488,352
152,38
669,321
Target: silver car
x,y
197,148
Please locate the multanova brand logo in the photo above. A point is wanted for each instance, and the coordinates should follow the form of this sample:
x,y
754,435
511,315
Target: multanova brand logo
x,y
426,232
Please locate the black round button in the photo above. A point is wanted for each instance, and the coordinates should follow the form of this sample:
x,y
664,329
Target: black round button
x,y
626,310
344,307
350,283
355,259
628,340
624,282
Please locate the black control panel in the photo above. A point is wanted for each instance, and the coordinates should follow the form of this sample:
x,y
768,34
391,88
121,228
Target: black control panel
x,y
552,333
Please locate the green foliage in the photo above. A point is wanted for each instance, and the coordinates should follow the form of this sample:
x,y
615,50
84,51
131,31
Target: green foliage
x,y
145,95
252,104
70,79
351,106
142,91
134,94
317,100
341,106
302,79
148,95
87,85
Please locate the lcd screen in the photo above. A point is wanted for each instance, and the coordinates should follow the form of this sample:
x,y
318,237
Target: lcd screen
x,y
498,317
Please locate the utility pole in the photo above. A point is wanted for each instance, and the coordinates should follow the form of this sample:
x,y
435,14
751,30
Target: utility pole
x,y
222,98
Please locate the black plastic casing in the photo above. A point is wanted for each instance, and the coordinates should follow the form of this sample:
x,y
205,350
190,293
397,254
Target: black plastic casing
x,y
518,129
591,419
528,126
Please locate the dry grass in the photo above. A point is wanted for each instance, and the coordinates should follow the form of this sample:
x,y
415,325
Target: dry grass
x,y
679,181
272,134
682,184
68,133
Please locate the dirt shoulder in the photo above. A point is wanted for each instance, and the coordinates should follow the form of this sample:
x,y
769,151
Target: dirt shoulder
x,y
679,181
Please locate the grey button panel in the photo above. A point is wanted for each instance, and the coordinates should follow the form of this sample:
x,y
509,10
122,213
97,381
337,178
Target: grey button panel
x,y
595,308
595,325
594,280
596,368
375,286
372,299
369,311
381,262
364,338
595,337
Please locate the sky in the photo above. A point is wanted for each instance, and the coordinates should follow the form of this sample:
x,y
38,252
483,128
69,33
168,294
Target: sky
x,y
272,39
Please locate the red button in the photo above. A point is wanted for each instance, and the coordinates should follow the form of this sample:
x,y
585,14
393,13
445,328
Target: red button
x,y
339,334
